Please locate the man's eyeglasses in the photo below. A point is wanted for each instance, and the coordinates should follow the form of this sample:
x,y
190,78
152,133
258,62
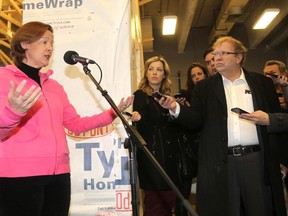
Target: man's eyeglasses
x,y
223,53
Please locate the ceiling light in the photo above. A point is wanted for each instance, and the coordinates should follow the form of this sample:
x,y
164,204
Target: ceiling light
x,y
266,18
169,25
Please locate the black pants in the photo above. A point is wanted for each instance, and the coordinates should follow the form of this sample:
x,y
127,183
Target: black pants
x,y
185,190
35,196
248,194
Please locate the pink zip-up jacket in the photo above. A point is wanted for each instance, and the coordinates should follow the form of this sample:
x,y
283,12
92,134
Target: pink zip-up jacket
x,y
34,143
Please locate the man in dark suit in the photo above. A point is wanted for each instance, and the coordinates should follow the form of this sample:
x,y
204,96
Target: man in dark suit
x,y
238,161
275,122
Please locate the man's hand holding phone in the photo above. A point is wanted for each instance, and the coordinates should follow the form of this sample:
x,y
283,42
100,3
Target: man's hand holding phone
x,y
165,101
239,111
258,117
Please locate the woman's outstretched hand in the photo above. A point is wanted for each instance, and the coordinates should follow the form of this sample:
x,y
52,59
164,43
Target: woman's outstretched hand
x,y
125,103
21,101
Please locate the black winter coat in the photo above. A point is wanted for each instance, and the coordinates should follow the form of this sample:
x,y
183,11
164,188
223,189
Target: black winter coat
x,y
157,131
209,110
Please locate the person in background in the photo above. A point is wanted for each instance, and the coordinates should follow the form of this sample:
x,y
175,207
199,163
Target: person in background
x,y
238,161
275,67
34,110
274,122
283,82
209,57
153,123
196,72
277,70
209,60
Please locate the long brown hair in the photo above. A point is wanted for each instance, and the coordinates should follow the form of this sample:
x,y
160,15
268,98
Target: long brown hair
x,y
189,83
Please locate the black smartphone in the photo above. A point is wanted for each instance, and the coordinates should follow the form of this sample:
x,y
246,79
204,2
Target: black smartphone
x,y
279,94
157,95
179,95
127,113
239,111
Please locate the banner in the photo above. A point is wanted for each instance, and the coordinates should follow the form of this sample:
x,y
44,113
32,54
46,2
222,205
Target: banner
x,y
99,30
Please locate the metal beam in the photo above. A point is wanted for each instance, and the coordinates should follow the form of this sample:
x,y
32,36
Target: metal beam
x,y
186,17
142,2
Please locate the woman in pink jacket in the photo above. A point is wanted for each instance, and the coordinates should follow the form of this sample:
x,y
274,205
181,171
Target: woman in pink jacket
x,y
34,110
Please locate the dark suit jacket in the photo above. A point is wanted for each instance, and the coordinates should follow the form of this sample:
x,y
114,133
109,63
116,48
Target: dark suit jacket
x,y
209,110
278,122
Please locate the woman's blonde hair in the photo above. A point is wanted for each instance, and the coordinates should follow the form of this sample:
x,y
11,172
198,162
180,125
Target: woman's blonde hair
x,y
165,87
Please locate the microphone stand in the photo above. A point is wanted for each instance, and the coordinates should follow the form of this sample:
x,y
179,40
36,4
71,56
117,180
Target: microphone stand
x,y
141,144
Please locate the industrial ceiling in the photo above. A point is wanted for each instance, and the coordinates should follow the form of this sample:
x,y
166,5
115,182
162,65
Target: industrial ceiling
x,y
219,16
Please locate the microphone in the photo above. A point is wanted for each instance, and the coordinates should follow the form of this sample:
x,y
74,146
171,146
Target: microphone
x,y
72,57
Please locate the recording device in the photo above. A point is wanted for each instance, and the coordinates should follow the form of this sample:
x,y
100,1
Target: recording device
x,y
239,111
272,75
279,94
157,95
276,76
72,57
127,114
179,95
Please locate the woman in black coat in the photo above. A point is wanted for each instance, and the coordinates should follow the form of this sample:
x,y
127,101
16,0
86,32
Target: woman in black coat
x,y
154,126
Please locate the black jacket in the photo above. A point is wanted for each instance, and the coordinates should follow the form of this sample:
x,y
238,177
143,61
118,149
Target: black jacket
x,y
157,130
209,110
